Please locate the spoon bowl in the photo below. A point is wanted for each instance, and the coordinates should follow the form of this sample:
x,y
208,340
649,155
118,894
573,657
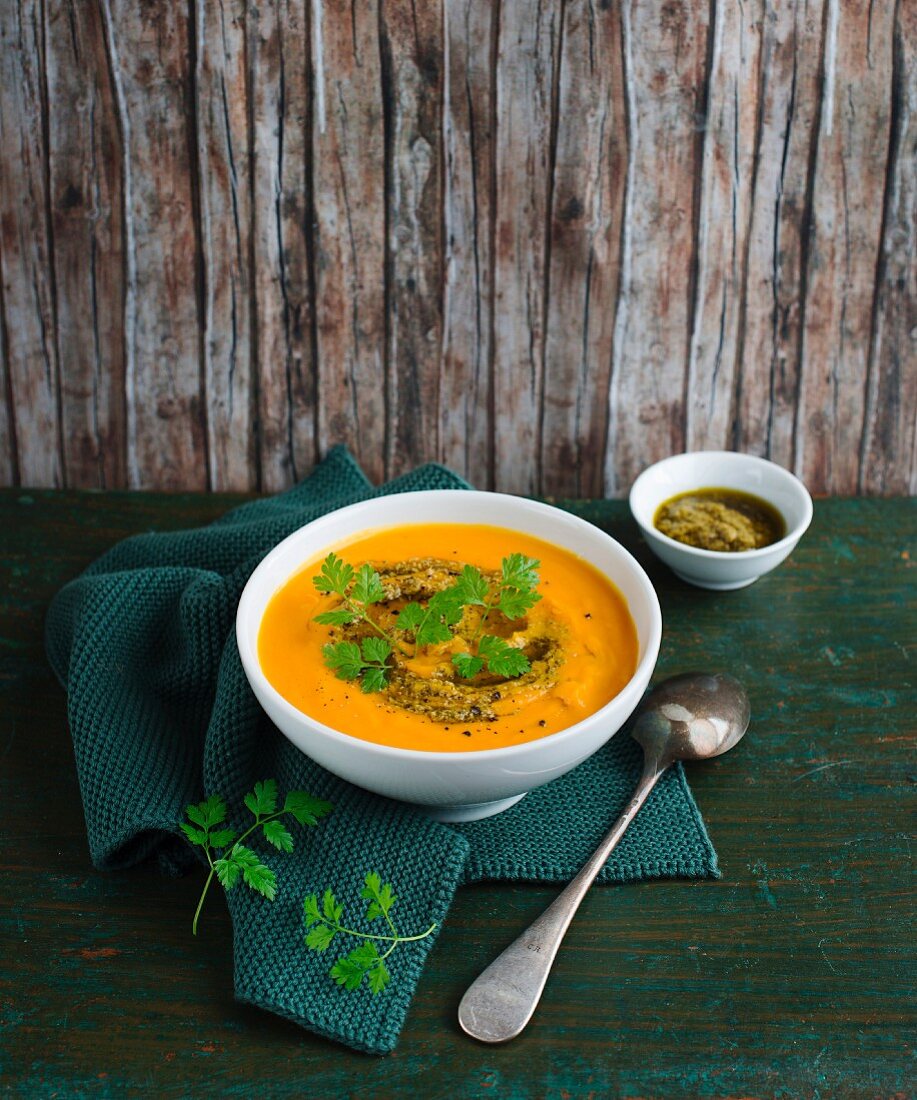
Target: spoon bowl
x,y
694,716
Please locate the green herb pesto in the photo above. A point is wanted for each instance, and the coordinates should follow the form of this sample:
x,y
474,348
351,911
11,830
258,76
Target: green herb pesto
x,y
720,519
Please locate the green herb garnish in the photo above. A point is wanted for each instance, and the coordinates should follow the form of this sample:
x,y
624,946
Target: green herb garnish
x,y
368,661
513,593
357,592
208,830
324,922
433,624
497,655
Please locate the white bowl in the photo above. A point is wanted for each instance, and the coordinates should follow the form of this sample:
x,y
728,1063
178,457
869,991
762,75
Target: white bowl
x,y
719,569
452,786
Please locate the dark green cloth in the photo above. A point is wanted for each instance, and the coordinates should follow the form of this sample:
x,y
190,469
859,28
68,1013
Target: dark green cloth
x,y
161,714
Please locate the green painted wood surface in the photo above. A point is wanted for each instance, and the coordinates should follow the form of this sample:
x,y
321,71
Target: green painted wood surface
x,y
791,976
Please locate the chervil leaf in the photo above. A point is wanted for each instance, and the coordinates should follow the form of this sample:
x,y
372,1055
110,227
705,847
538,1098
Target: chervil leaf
x,y
375,650
215,809
222,837
335,576
330,908
514,603
210,812
320,936
197,815
502,658
343,658
447,604
228,872
340,617
518,571
310,909
365,959
263,799
276,833
254,873
374,679
367,588
379,896
378,977
431,632
239,862
410,616
472,585
467,664
196,836
349,970
444,610
365,956
348,973
306,809
372,884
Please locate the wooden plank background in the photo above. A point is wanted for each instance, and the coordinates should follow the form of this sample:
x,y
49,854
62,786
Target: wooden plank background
x,y
546,245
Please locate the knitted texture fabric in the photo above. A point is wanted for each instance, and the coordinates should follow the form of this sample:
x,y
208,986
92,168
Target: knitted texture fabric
x,y
161,715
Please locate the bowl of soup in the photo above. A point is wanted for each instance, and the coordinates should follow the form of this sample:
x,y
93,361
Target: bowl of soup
x,y
720,519
452,649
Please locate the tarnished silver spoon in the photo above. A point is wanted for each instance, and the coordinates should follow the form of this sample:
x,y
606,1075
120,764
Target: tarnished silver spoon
x,y
690,717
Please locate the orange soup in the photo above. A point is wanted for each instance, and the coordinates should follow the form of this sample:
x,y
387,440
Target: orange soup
x,y
580,636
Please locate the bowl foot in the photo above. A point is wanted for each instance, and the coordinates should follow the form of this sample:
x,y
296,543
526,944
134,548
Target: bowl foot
x,y
714,586
470,811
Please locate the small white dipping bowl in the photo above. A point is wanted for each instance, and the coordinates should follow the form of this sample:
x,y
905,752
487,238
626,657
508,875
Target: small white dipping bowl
x,y
720,569
451,786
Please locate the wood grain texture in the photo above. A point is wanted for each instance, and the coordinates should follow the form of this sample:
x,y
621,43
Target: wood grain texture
x,y
789,976
844,243
282,256
85,185
587,195
149,52
221,127
26,248
412,76
544,245
768,382
349,176
666,54
728,163
889,458
466,385
527,64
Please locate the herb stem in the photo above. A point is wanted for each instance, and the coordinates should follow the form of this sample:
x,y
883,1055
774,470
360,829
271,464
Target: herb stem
x,y
361,613
488,607
200,904
393,940
258,822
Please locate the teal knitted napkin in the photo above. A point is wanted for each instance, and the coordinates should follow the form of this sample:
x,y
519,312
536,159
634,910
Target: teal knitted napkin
x,y
161,714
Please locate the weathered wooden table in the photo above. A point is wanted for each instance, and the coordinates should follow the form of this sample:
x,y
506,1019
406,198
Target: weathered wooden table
x,y
787,977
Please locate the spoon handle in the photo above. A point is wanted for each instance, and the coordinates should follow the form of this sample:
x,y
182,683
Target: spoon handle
x,y
501,1001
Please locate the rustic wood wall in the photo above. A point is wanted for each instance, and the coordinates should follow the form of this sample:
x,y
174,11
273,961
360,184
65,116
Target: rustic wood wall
x,y
543,243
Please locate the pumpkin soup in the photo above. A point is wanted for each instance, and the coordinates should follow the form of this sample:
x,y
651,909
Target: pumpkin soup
x,y
481,638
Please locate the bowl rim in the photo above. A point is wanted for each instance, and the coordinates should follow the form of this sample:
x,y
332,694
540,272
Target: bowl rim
x,y
640,676
788,541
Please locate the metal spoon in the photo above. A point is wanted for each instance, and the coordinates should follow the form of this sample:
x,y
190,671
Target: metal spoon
x,y
690,717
